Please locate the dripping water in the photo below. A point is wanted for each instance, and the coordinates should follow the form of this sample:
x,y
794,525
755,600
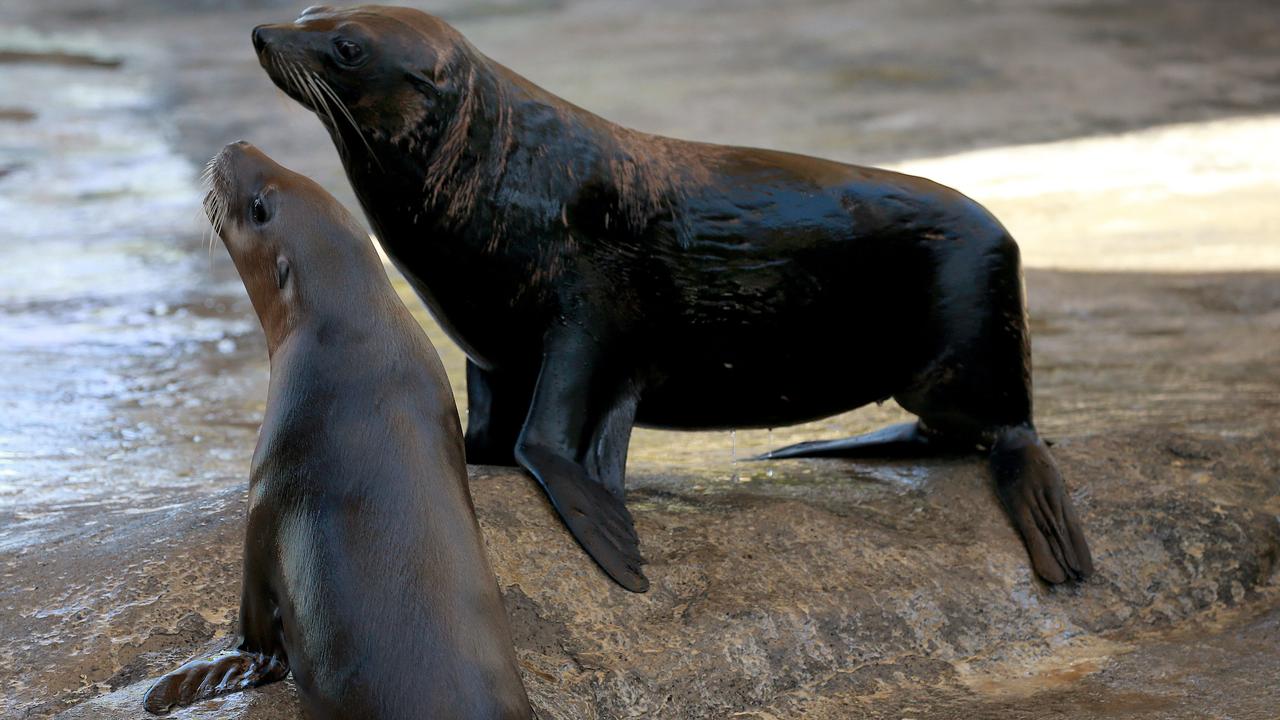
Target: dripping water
x,y
733,454
768,472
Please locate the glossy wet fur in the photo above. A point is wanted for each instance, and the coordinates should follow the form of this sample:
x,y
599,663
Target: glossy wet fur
x,y
365,574
598,277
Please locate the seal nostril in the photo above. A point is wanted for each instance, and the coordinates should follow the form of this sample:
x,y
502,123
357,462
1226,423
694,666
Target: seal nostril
x,y
259,40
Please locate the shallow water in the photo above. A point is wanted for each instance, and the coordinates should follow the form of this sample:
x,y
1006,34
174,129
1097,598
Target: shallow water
x,y
110,315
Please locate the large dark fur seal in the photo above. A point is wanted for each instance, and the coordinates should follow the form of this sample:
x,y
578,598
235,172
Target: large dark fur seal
x,y
364,571
599,277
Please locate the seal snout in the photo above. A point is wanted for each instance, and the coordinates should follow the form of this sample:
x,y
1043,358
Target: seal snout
x,y
238,149
259,39
266,38
219,180
223,164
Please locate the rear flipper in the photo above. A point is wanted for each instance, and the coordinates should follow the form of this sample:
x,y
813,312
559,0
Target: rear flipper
x,y
1027,482
906,440
205,678
1032,492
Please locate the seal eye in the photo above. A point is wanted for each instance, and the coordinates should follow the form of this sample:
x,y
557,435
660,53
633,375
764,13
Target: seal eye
x,y
258,210
282,272
348,51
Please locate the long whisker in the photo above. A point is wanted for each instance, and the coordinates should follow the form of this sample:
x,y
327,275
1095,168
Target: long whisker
x,y
202,214
324,100
328,89
298,81
322,105
213,201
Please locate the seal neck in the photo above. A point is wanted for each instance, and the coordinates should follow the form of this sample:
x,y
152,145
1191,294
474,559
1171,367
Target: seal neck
x,y
341,297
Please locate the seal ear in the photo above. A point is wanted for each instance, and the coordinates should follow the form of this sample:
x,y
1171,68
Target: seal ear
x,y
282,272
419,80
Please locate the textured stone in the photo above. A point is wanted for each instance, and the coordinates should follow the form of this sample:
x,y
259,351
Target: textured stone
x,y
865,589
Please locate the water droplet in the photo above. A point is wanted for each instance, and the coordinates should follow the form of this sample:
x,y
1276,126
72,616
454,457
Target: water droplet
x,y
733,452
769,445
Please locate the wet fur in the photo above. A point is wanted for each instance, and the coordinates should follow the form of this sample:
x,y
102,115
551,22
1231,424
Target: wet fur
x,y
599,277
364,571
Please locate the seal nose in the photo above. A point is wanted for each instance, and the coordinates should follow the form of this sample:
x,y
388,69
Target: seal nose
x,y
238,148
259,39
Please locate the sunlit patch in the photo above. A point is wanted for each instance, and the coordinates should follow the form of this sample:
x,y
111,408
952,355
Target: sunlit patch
x,y
1182,198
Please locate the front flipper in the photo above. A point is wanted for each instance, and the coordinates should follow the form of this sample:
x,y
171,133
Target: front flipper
x,y
1032,492
573,404
599,521
896,441
497,403
209,677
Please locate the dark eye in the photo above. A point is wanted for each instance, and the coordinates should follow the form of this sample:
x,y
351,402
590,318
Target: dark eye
x,y
282,272
258,210
349,52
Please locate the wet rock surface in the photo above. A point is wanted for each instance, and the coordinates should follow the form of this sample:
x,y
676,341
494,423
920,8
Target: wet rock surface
x,y
848,592
132,375
829,589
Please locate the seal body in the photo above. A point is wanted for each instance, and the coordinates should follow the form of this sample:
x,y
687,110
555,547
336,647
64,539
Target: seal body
x,y
598,277
364,572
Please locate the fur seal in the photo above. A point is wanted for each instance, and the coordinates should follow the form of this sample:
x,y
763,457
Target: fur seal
x,y
599,277
364,571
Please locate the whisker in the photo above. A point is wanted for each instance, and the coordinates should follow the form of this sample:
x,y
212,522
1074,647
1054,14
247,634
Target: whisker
x,y
322,105
296,80
210,198
327,88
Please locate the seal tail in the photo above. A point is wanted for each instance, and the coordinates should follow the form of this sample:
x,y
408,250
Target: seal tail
x,y
1033,493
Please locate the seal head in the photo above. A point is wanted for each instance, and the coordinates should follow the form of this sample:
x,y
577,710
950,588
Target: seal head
x,y
388,73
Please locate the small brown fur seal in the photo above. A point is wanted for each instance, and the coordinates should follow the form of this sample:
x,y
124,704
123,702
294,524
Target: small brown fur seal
x,y
364,570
